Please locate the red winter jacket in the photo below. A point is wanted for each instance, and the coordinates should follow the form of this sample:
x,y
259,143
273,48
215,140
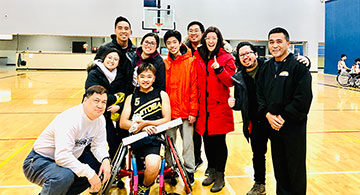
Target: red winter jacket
x,y
181,84
213,94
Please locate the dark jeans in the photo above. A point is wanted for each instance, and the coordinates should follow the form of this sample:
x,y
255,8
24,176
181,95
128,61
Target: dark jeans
x,y
288,150
258,138
114,136
54,179
197,147
216,151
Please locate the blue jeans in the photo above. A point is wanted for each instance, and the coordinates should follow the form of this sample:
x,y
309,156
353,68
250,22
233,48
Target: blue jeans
x,y
54,179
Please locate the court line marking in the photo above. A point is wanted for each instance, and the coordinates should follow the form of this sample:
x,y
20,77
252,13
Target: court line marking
x,y
19,186
230,189
350,138
18,139
312,132
72,96
15,153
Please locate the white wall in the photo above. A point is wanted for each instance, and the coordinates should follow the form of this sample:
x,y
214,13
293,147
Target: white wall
x,y
237,19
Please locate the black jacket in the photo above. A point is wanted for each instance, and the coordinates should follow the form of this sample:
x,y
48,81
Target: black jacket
x,y
245,97
157,61
97,77
287,91
129,52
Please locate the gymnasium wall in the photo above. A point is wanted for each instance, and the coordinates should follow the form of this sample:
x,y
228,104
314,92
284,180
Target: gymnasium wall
x,y
237,19
342,34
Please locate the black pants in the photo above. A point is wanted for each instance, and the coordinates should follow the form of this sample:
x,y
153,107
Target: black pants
x,y
114,136
258,138
197,147
216,151
288,150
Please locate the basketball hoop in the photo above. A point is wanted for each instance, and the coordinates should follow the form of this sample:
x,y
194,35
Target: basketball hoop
x,y
158,27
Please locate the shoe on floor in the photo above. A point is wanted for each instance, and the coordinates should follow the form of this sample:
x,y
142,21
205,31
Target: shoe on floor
x,y
219,182
210,178
207,172
191,178
257,189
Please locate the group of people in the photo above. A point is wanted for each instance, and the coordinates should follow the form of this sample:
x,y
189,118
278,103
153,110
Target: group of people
x,y
131,87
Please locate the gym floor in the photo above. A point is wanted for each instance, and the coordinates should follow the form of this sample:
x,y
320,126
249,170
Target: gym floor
x,y
29,100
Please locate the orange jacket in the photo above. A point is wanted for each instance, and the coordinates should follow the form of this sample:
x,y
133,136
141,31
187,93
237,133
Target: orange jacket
x,y
181,84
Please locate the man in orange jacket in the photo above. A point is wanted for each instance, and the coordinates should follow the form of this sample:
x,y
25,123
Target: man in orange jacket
x,y
181,86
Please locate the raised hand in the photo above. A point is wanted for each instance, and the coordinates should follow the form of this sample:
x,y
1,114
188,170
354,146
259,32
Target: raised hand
x,y
215,65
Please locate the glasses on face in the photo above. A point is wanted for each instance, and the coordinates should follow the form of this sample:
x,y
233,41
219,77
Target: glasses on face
x,y
245,54
148,43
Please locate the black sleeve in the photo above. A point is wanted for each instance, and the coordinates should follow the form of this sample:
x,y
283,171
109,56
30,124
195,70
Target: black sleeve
x,y
262,109
93,79
238,96
299,106
160,82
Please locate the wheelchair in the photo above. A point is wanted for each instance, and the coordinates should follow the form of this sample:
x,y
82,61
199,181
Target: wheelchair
x,y
133,173
347,79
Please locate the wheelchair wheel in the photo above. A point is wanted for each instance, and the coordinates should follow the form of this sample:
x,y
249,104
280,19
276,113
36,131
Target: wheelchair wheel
x,y
343,80
357,82
116,166
179,167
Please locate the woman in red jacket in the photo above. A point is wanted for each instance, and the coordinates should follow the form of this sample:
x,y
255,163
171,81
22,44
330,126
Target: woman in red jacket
x,y
215,118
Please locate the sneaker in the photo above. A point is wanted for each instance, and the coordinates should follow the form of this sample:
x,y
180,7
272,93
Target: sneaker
x,y
257,189
198,164
143,190
191,178
207,171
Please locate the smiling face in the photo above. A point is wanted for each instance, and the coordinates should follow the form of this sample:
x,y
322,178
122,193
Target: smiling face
x,y
173,45
122,31
211,41
278,46
194,33
149,45
248,57
94,106
146,79
111,61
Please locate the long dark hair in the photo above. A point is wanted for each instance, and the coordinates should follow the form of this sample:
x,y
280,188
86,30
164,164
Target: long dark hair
x,y
204,51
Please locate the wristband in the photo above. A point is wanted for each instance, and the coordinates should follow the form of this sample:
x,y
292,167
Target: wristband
x,y
105,158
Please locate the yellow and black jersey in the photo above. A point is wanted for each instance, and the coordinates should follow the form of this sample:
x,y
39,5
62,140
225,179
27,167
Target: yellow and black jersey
x,y
148,105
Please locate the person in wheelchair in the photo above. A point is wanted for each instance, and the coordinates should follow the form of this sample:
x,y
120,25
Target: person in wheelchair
x,y
355,67
342,68
153,106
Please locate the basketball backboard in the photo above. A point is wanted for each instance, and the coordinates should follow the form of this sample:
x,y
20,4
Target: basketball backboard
x,y
153,17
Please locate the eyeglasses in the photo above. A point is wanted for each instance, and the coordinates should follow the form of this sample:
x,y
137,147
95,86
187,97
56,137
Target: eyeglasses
x,y
245,54
152,44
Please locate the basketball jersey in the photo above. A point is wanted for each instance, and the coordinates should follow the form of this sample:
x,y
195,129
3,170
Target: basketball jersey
x,y
147,105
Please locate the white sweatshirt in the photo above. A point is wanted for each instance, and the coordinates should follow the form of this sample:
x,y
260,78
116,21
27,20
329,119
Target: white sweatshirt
x,y
65,138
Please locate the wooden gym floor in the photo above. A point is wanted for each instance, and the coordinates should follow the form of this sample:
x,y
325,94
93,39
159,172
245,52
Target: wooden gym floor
x,y
29,100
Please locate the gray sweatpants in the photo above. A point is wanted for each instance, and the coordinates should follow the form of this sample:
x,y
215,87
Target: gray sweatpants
x,y
186,131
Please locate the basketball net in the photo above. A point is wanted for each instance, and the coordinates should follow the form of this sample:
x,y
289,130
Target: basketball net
x,y
158,27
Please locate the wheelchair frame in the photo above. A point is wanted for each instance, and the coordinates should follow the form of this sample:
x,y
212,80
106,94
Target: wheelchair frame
x,y
348,80
116,171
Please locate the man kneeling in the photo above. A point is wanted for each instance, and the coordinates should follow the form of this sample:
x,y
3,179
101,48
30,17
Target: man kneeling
x,y
58,161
